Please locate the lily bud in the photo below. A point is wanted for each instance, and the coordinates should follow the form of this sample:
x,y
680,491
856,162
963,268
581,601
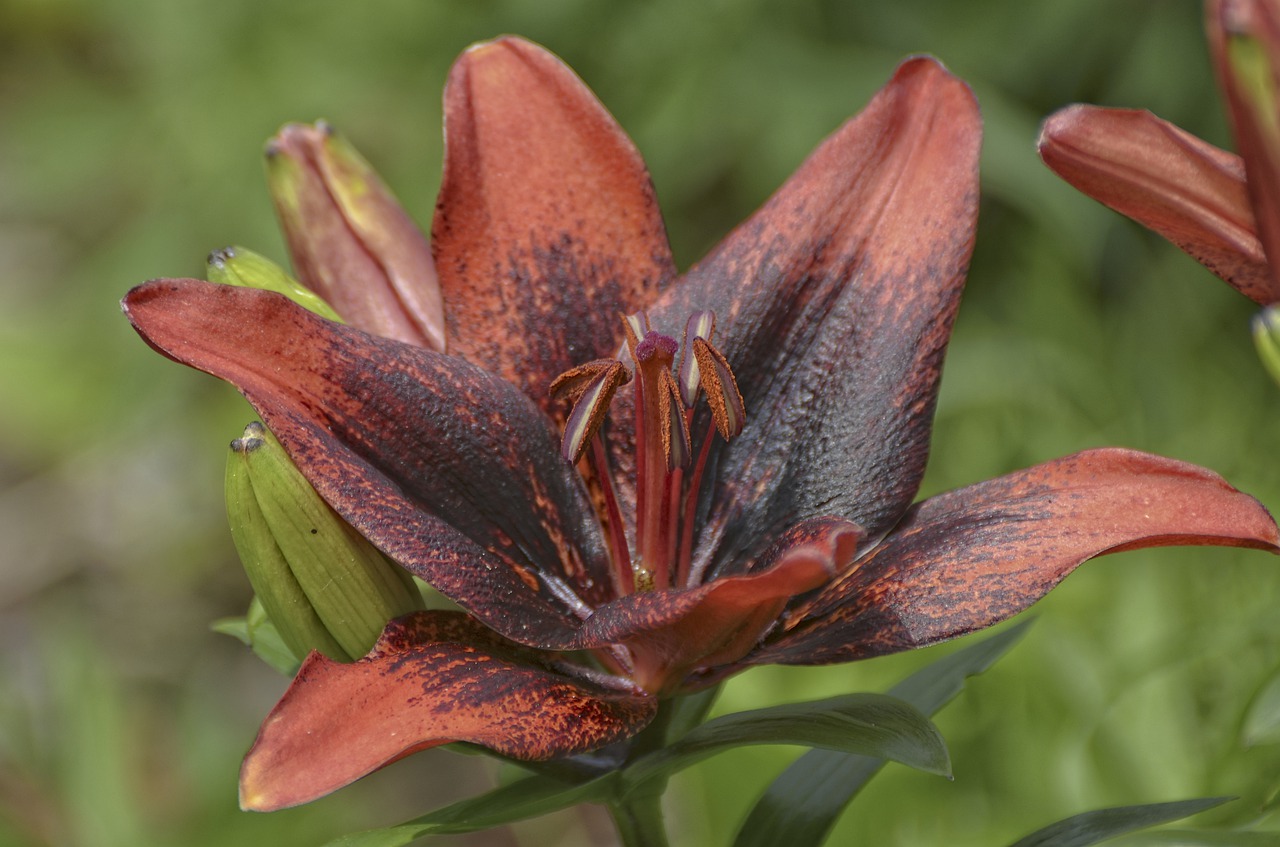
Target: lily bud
x,y
1244,36
247,269
1266,335
320,582
350,240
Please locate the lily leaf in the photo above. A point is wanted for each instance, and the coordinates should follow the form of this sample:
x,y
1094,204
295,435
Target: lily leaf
x,y
803,803
258,633
1093,827
870,724
526,798
1262,722
1206,838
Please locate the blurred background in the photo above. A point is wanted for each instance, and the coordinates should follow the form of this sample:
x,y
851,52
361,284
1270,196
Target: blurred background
x,y
130,142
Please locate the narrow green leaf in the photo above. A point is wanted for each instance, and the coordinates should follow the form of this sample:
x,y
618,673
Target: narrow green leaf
x,y
257,632
1093,827
237,628
871,724
516,801
690,711
1205,838
803,803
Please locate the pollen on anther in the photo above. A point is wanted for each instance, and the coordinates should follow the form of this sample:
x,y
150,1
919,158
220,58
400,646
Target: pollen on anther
x,y
593,392
572,383
727,408
675,434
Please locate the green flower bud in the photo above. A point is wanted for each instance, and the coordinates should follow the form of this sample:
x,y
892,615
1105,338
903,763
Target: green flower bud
x,y
350,240
239,266
321,583
1266,335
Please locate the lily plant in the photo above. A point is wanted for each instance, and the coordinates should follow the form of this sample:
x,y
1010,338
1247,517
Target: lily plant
x,y
636,482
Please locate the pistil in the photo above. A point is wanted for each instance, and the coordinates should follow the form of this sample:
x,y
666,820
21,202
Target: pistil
x,y
663,443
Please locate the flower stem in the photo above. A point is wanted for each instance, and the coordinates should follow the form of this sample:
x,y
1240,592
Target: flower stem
x,y
639,819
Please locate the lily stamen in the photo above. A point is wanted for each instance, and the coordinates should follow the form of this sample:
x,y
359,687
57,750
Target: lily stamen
x,y
667,477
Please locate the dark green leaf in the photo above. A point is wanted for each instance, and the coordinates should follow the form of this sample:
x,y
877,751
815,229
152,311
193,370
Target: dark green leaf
x,y
1092,827
803,803
516,801
690,711
1205,838
871,724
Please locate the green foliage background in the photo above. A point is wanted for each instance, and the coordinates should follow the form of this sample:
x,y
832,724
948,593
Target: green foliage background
x,y
129,136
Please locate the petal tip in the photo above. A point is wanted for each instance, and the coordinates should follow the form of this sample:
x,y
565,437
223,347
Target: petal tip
x,y
494,48
926,77
253,795
1058,124
925,65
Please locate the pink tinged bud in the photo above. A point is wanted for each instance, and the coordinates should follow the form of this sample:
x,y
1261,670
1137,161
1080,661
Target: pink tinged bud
x,y
351,241
1245,38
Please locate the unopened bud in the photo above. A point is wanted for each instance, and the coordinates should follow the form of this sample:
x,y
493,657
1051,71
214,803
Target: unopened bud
x,y
321,583
351,241
239,266
1250,61
1266,335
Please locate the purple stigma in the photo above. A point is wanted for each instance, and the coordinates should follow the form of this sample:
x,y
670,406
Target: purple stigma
x,y
654,343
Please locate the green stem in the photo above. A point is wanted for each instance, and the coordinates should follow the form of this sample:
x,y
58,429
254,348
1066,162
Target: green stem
x,y
638,814
639,819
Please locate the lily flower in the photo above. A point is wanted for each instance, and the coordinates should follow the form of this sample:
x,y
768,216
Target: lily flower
x,y
724,475
1221,208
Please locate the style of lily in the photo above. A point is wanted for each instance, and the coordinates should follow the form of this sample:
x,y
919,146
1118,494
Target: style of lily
x,y
724,476
1221,208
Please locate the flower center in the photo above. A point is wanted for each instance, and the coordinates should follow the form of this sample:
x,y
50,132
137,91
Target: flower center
x,y
668,476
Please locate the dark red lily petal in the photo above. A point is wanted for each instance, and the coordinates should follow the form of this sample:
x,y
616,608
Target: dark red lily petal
x,y
1166,179
450,471
834,304
673,632
975,556
1253,105
432,678
546,227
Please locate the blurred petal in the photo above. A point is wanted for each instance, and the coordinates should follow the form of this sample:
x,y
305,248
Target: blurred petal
x,y
547,227
451,472
834,304
1166,179
433,677
972,557
672,632
1244,36
350,240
